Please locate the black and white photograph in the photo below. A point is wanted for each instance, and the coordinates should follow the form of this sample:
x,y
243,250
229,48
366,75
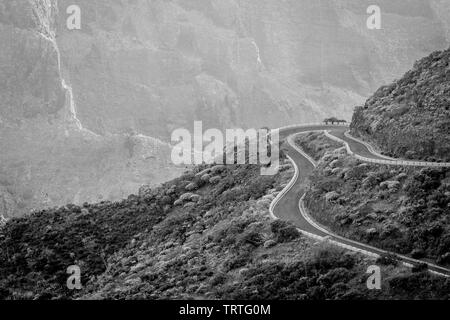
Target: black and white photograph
x,y
202,151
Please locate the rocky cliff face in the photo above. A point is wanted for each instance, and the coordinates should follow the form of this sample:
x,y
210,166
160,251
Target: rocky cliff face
x,y
68,96
411,117
47,157
159,65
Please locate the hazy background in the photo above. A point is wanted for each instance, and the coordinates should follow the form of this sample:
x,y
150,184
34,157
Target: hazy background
x,y
86,115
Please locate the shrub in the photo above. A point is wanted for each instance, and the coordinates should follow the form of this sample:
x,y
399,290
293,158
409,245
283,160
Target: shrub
x,y
417,254
422,267
191,186
250,237
284,231
331,196
334,276
387,259
236,262
327,257
219,279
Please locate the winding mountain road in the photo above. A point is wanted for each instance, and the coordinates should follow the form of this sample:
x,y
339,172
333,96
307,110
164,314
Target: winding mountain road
x,y
289,206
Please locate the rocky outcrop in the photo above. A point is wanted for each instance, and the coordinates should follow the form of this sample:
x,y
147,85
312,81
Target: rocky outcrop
x,y
410,117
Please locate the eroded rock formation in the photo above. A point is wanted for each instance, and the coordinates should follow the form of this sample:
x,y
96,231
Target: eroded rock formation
x,y
47,157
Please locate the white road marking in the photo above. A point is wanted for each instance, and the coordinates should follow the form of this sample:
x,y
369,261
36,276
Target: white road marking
x,y
324,230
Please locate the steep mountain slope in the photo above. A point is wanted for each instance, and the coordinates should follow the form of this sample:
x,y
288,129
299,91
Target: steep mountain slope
x,y
47,157
411,117
159,65
153,66
204,235
400,209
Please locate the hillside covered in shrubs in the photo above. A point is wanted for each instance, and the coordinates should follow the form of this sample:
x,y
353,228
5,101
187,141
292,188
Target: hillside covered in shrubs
x,y
205,235
410,118
401,209
37,250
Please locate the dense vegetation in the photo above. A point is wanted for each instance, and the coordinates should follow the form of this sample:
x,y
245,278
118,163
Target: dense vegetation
x,y
316,144
404,210
37,250
204,235
411,117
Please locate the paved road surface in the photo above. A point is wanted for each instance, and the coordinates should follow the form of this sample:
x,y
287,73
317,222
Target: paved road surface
x,y
289,205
